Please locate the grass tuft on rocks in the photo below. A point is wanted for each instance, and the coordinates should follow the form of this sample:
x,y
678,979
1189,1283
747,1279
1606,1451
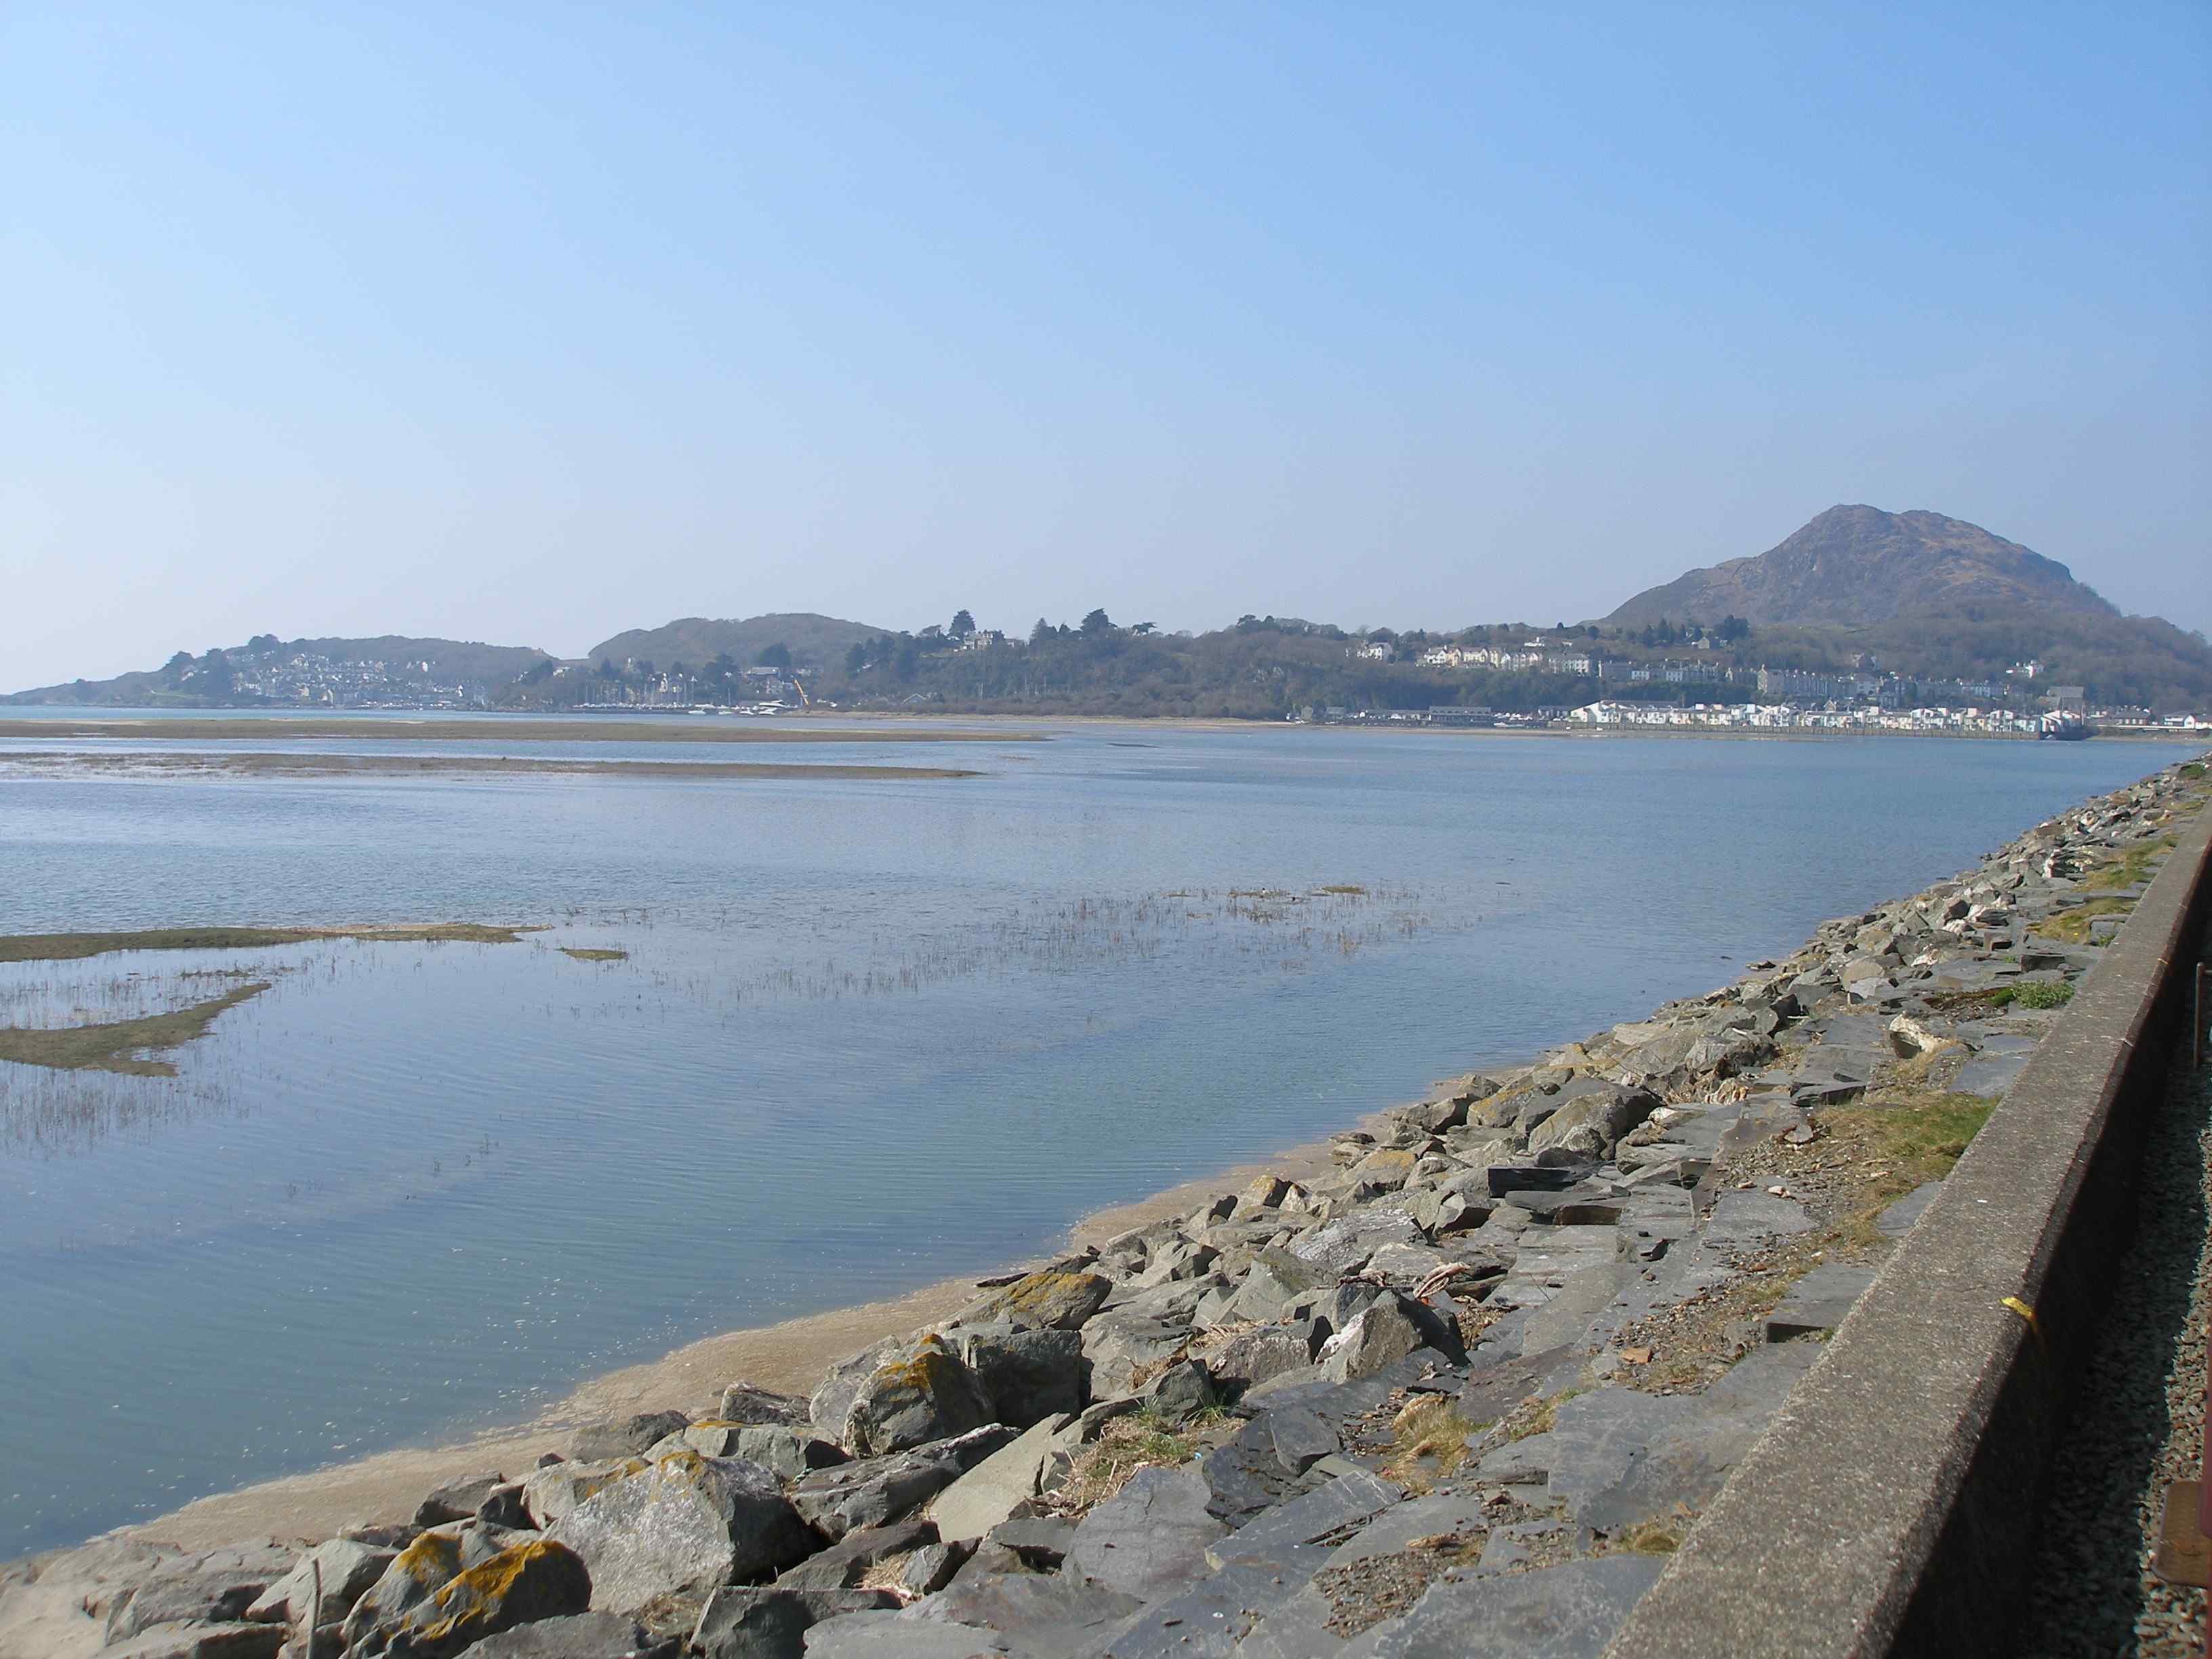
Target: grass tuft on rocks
x,y
1429,1439
1136,1440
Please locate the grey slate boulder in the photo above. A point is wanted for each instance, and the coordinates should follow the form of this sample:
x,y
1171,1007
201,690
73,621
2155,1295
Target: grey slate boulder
x,y
846,1562
1149,1538
1253,1356
550,1492
195,1639
1391,1328
457,1500
1028,1373
216,1587
348,1570
744,1403
623,1436
1120,1345
1032,1612
873,1491
1566,1612
744,1622
686,1524
989,1493
1181,1392
575,1636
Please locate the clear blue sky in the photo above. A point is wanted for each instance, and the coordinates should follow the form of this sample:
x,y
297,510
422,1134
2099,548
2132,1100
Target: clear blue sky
x,y
530,323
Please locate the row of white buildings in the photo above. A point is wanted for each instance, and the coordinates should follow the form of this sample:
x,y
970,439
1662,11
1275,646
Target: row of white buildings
x,y
1783,717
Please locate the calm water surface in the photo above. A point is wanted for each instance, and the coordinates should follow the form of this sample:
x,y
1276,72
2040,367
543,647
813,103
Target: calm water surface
x,y
867,1035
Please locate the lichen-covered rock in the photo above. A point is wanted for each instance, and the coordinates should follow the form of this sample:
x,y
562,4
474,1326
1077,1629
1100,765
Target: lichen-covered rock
x,y
929,1394
414,1575
686,1524
1057,1301
541,1579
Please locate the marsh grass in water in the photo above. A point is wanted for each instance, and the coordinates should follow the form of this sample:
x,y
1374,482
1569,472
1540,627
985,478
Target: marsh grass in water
x,y
591,953
71,947
119,1045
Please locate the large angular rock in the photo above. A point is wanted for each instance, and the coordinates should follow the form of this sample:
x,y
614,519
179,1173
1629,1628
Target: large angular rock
x,y
846,1562
1566,1612
1591,1126
457,1500
1388,1330
195,1639
877,1489
1277,1283
1028,1373
348,1570
1151,1538
550,1492
1344,1245
575,1636
1253,1356
687,1524
618,1438
788,1452
538,1580
214,1588
980,1499
926,1394
741,1622
1122,1348
744,1403
1058,1613
1277,1535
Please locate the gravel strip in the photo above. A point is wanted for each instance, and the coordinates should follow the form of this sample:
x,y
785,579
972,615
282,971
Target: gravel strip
x,y
2140,1424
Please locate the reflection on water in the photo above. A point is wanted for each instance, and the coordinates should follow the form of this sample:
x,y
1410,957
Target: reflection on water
x,y
866,1035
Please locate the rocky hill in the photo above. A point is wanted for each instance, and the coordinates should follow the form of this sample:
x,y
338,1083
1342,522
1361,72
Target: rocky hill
x,y
695,640
267,669
1854,565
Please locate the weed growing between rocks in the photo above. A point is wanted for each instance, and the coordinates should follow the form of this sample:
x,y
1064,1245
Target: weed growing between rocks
x,y
1429,1439
1136,1440
1861,1159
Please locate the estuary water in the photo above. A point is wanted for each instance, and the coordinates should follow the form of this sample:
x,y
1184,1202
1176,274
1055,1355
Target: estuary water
x,y
864,1034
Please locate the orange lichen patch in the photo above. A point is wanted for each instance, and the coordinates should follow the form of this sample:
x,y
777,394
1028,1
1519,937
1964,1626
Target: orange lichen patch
x,y
1064,1300
532,1581
431,1559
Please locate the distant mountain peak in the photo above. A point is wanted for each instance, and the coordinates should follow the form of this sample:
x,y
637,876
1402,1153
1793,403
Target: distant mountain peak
x,y
1856,564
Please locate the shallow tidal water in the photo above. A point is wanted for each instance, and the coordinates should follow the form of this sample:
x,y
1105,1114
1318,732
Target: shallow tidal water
x,y
867,1034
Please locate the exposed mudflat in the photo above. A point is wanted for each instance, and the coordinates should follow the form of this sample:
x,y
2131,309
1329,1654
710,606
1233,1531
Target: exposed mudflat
x,y
707,729
263,764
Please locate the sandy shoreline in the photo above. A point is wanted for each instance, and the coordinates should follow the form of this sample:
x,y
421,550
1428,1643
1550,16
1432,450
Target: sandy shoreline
x,y
789,1357
704,729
